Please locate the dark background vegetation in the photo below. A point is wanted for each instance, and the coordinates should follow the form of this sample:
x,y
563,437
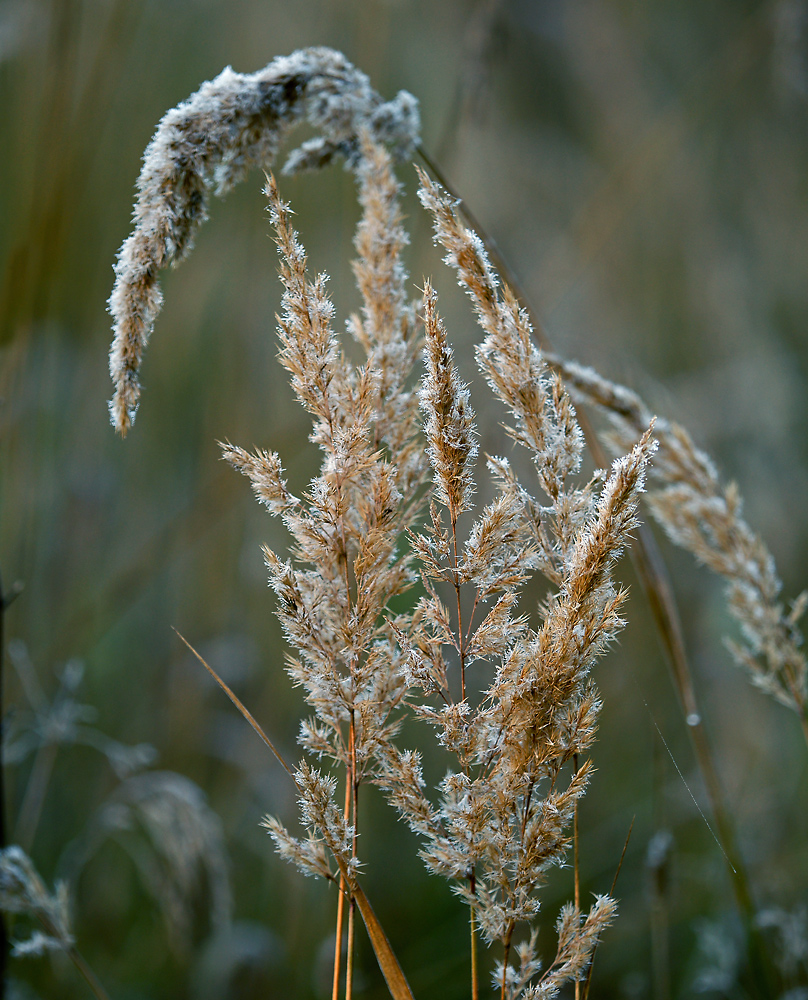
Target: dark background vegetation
x,y
644,168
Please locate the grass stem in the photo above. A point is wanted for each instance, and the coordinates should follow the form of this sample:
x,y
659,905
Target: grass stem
x,y
576,865
340,907
475,972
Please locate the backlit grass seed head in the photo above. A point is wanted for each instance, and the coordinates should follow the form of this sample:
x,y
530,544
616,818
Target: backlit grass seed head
x,y
187,866
209,143
502,816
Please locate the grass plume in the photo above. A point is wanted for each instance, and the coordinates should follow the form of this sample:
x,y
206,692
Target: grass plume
x,y
508,695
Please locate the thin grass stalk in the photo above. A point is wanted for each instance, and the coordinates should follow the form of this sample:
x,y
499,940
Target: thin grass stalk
x,y
505,957
87,973
353,784
588,979
340,907
460,643
660,957
349,960
576,857
338,941
475,974
34,798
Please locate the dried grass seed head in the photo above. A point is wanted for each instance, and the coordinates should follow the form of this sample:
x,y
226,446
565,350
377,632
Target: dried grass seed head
x,y
206,145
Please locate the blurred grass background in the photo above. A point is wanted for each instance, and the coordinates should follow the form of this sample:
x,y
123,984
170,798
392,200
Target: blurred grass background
x,y
644,168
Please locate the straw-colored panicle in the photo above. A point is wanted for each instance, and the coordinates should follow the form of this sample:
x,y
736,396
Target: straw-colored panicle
x,y
349,525
705,517
318,812
543,418
578,936
206,145
448,416
387,327
528,708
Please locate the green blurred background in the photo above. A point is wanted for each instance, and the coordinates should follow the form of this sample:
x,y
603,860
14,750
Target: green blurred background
x,y
644,168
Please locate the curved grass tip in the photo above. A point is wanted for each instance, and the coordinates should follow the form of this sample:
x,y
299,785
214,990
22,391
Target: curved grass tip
x,y
206,145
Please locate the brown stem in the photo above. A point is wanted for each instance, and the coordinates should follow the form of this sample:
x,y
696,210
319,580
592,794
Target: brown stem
x,y
341,905
575,854
475,975
349,959
461,646
385,956
506,955
354,790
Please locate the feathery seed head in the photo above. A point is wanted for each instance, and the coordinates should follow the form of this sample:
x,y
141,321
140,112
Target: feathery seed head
x,y
209,143
448,416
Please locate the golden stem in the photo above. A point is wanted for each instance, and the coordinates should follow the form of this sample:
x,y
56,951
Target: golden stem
x,y
576,857
354,793
475,975
340,906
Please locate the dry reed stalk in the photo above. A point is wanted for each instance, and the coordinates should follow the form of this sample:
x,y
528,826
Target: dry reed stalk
x,y
503,812
348,526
